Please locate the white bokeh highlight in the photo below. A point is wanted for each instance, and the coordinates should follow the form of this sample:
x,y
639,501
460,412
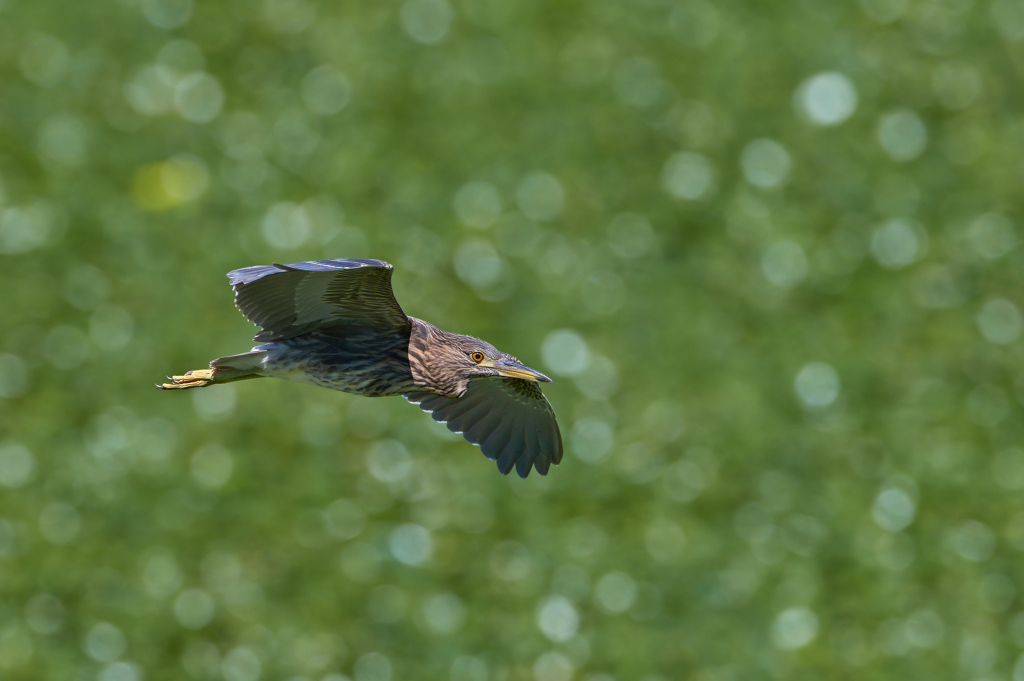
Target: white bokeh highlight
x,y
827,99
785,264
1000,321
426,21
794,628
817,385
558,618
765,163
903,135
688,175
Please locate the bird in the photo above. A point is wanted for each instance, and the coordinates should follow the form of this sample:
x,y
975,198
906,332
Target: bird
x,y
337,324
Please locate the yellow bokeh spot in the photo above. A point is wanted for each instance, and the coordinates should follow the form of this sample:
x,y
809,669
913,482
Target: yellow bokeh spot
x,y
169,184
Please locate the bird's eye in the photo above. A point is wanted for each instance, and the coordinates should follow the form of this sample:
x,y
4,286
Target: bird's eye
x,y
477,357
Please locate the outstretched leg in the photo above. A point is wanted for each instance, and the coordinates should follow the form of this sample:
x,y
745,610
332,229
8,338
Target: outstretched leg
x,y
199,378
222,370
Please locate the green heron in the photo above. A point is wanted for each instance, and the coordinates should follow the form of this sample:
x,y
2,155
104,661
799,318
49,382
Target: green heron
x,y
336,323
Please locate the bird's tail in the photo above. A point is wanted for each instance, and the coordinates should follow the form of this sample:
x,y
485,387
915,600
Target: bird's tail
x,y
222,370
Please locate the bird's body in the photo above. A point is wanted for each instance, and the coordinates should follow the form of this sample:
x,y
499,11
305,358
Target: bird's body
x,y
336,324
339,363
349,359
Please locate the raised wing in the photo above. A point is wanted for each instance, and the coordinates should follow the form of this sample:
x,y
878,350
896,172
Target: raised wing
x,y
509,418
290,300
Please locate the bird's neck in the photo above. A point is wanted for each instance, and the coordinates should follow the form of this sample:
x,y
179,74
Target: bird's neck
x,y
427,353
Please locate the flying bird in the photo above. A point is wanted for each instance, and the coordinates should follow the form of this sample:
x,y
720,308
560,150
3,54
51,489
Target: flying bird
x,y
336,323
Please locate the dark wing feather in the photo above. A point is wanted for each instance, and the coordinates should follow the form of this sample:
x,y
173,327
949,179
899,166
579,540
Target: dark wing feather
x,y
509,418
290,300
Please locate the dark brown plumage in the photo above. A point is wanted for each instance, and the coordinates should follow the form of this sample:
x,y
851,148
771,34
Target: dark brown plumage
x,y
336,323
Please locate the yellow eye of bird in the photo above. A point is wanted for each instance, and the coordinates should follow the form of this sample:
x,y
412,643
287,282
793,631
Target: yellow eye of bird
x,y
477,357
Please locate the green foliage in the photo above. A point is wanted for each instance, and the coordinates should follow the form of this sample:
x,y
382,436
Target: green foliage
x,y
768,252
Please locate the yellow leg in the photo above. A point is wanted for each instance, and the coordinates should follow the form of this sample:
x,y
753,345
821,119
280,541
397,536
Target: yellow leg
x,y
192,379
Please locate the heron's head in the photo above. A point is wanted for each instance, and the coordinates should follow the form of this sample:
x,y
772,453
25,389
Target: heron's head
x,y
473,358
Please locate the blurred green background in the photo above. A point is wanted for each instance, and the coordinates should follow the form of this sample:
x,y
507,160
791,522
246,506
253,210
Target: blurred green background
x,y
768,251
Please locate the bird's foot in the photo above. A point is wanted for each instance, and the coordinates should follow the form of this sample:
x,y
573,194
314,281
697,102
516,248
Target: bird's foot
x,y
197,378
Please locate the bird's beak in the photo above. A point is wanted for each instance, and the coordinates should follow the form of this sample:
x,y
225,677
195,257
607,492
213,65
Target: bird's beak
x,y
513,369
